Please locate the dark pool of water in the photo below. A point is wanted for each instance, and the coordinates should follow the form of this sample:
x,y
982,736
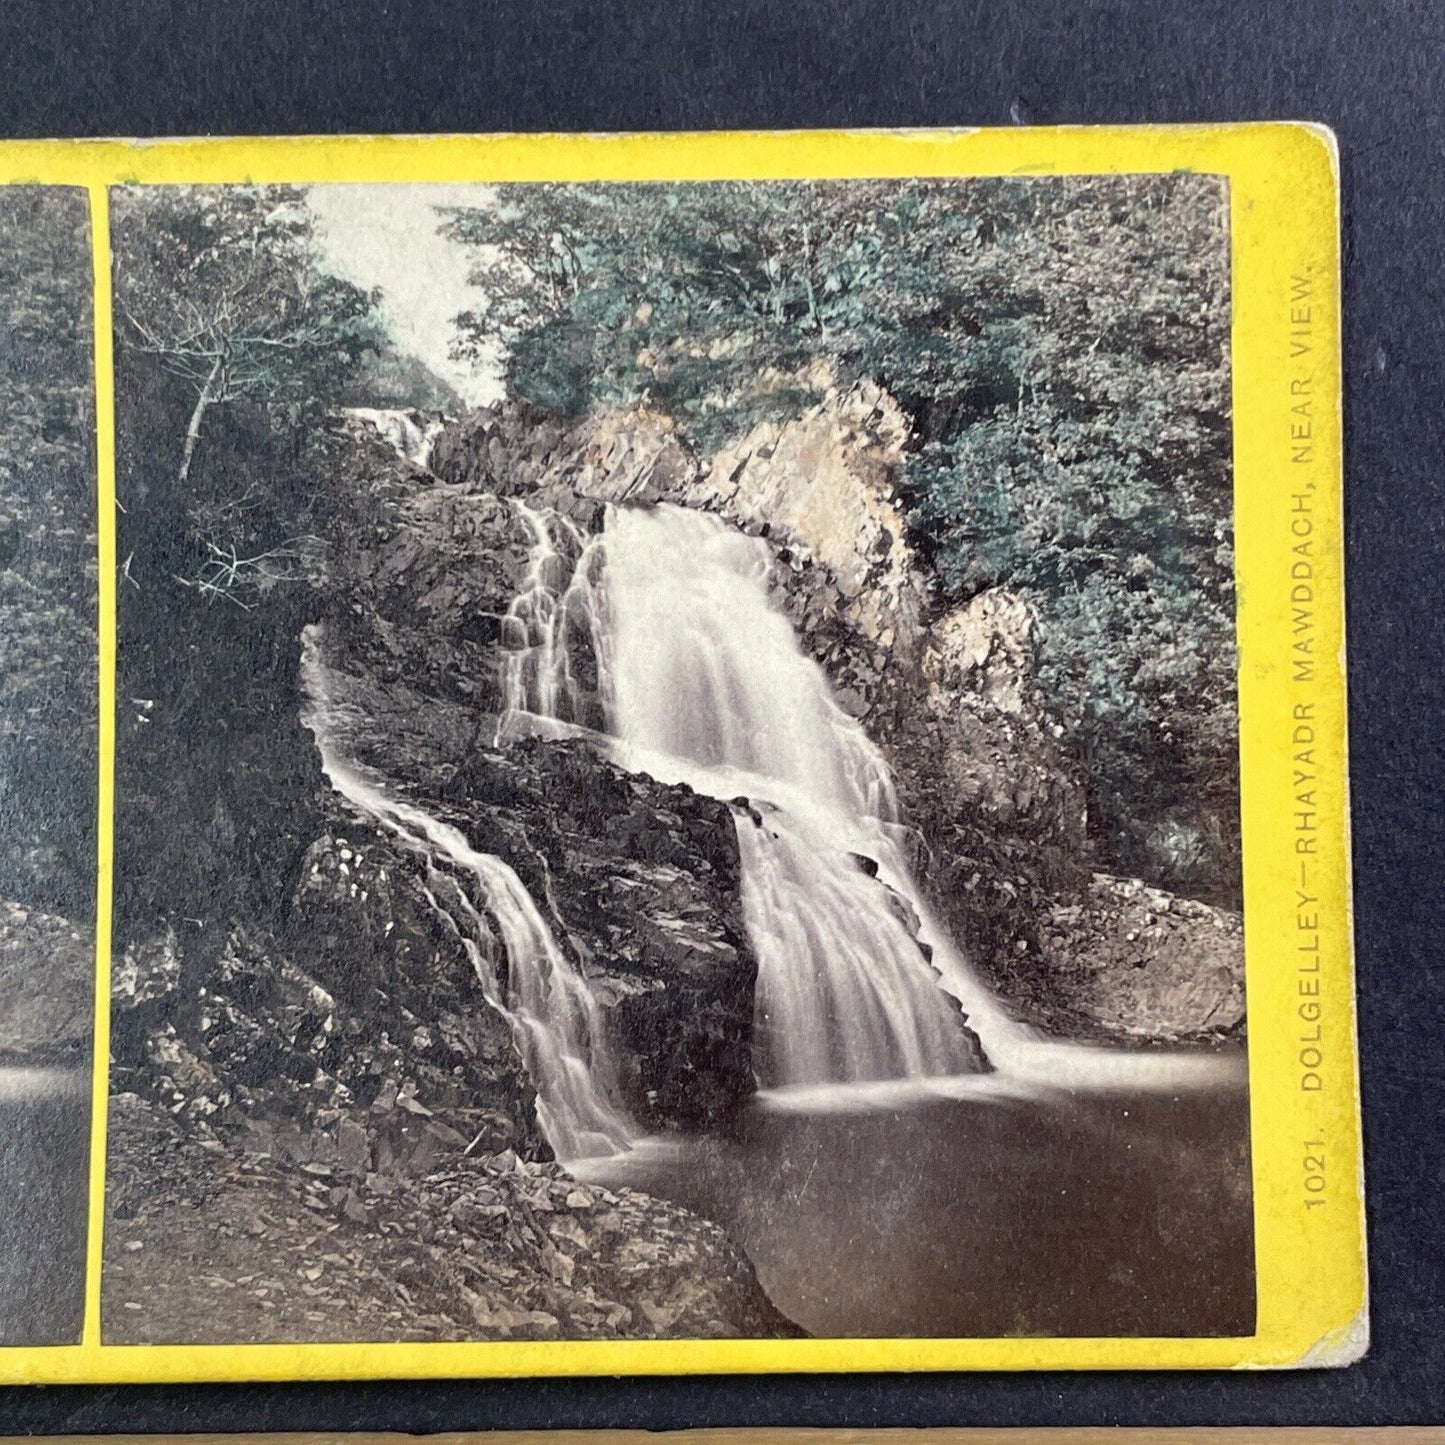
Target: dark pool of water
x,y
44,1169
1098,1211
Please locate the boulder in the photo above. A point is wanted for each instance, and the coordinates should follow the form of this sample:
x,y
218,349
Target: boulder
x,y
1133,962
642,879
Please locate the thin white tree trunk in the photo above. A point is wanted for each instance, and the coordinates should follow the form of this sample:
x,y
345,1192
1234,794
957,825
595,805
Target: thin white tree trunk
x,y
193,430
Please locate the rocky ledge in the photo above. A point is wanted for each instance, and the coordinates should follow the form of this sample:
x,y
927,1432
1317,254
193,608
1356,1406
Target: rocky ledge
x,y
1147,965
206,1242
639,882
336,1069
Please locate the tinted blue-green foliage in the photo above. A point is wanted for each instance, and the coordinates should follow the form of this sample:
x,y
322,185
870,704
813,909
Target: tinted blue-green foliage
x,y
1061,347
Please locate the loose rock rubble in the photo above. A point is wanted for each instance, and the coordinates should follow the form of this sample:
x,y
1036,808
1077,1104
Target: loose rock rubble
x,y
212,1242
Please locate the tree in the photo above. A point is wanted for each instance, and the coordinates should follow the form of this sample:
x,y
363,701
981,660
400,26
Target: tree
x,y
1061,347
221,285
615,291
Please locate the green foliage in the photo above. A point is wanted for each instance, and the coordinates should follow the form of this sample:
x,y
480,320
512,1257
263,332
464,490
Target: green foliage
x,y
228,328
221,284
1061,345
227,486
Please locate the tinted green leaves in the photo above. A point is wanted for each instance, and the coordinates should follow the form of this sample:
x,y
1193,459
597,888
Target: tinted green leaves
x,y
1060,344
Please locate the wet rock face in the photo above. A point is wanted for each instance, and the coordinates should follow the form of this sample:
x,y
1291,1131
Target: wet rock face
x,y
431,1045
358,1033
643,882
639,880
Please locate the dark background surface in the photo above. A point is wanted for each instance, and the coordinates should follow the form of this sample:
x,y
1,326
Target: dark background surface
x,y
1372,71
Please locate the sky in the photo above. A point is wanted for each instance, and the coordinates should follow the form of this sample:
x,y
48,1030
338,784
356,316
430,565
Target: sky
x,y
386,236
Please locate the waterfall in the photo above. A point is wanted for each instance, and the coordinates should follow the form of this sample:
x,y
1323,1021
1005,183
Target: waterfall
x,y
401,430
701,680
710,686
552,633
529,980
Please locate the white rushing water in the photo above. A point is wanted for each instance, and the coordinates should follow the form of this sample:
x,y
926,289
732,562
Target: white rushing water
x,y
666,625
710,686
659,639
700,679
553,630
524,974
400,429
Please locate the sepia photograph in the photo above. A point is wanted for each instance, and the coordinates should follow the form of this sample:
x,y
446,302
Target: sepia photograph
x,y
48,758
677,763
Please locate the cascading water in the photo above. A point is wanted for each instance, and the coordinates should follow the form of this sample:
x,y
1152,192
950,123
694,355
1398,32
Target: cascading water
x,y
702,681
554,1018
709,684
661,631
400,430
551,632
664,630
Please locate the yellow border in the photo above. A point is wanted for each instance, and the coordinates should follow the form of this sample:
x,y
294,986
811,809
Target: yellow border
x,y
105,816
1284,199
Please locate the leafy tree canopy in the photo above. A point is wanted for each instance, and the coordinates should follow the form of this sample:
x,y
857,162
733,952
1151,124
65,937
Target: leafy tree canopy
x,y
1061,345
233,342
222,286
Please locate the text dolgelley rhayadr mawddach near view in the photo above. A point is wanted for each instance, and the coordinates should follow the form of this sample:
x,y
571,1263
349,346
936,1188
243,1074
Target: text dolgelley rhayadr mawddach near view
x,y
674,740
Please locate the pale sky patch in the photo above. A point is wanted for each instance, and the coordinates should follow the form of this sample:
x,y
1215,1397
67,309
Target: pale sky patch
x,y
386,236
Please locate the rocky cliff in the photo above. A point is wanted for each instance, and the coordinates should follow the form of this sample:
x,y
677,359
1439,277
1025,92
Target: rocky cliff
x,y
291,1007
290,1000
949,694
640,881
